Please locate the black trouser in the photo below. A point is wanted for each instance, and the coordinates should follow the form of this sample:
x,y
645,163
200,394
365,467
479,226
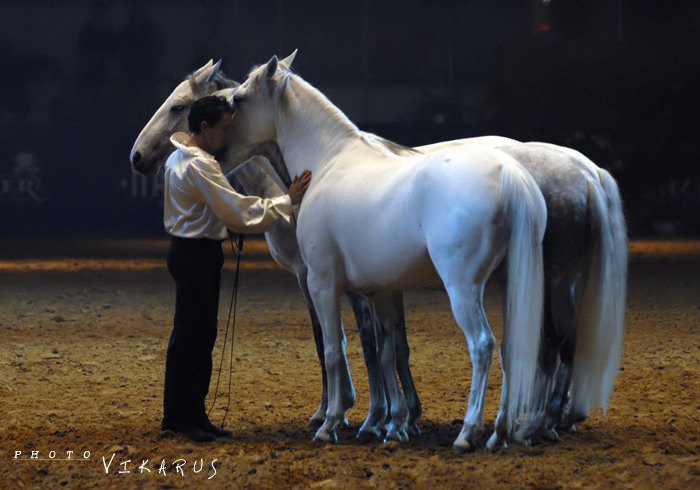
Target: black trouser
x,y
195,264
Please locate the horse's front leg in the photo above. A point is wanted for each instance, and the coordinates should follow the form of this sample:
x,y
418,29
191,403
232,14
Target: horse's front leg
x,y
317,418
341,393
378,406
415,409
386,320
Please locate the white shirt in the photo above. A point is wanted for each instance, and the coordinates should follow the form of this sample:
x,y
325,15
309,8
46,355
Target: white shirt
x,y
200,202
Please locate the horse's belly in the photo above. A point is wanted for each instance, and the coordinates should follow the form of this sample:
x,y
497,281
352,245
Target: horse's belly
x,y
396,271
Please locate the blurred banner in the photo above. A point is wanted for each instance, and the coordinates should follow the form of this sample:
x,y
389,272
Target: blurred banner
x,y
75,179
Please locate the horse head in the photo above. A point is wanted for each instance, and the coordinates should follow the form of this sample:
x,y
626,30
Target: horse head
x,y
153,146
255,102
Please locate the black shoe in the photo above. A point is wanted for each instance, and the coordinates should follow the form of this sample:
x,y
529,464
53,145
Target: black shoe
x,y
196,434
217,431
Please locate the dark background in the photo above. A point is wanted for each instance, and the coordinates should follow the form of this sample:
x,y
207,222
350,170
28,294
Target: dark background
x,y
615,79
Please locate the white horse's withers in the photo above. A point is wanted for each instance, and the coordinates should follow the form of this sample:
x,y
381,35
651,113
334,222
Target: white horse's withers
x,y
375,222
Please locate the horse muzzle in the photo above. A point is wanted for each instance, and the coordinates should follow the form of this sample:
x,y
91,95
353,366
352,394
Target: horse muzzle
x,y
142,166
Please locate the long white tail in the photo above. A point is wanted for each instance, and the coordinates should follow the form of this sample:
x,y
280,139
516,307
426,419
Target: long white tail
x,y
526,216
600,318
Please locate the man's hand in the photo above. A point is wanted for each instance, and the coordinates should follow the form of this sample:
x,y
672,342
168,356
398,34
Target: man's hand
x,y
299,186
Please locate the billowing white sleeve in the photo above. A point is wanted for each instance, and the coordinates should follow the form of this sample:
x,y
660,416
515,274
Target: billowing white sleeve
x,y
241,214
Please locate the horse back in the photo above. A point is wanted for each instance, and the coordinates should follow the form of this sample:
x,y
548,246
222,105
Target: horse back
x,y
394,207
564,186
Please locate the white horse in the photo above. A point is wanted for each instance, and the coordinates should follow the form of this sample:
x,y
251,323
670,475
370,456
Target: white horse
x,y
148,154
585,273
585,260
569,252
375,221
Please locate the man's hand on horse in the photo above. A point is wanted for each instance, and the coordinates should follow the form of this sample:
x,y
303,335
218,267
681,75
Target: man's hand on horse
x,y
299,186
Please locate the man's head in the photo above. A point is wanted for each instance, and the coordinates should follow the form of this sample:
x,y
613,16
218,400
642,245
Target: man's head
x,y
210,121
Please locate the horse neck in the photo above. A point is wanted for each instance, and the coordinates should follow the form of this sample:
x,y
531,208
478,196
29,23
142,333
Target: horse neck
x,y
310,130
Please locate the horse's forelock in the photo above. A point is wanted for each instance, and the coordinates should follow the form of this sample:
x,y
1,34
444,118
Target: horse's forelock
x,y
277,85
220,80
281,75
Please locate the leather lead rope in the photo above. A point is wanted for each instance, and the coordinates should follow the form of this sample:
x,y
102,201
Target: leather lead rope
x,y
232,324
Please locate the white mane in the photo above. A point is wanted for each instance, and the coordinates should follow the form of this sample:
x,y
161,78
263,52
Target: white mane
x,y
326,113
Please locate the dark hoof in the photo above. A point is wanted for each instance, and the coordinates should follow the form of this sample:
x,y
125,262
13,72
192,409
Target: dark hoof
x,y
365,435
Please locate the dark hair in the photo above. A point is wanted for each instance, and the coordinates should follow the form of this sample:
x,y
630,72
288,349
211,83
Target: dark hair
x,y
209,109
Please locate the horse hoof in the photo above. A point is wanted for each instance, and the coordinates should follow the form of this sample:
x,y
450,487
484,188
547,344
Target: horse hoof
x,y
367,435
413,430
549,435
495,443
521,441
325,437
462,446
396,433
567,427
397,439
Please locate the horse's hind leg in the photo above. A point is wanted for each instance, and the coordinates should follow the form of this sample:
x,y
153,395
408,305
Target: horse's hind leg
x,y
564,308
415,409
557,315
560,397
378,406
564,418
464,265
468,309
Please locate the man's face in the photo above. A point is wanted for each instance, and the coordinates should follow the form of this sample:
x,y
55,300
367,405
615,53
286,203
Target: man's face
x,y
217,135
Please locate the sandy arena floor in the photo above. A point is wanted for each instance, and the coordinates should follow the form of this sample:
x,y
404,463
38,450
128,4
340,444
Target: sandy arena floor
x,y
84,327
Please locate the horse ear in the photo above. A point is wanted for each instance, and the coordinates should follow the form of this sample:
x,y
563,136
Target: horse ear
x,y
200,70
287,62
271,67
201,78
214,71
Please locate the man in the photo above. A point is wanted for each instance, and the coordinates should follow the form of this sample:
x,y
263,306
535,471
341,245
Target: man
x,y
200,205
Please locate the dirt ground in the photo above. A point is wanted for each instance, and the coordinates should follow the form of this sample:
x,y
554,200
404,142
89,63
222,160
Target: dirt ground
x,y
83,331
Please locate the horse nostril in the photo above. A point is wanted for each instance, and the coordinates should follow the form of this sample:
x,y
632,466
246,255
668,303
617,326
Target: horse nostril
x,y
136,158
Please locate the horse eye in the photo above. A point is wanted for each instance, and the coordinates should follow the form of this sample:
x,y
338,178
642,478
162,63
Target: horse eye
x,y
237,99
177,108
